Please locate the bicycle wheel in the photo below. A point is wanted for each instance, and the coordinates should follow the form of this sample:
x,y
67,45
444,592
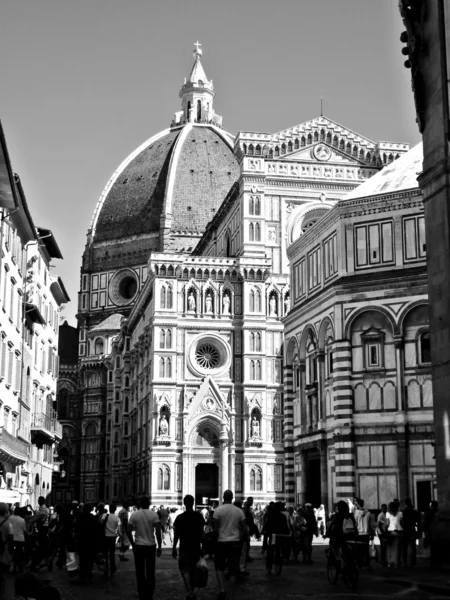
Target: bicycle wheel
x,y
351,575
332,569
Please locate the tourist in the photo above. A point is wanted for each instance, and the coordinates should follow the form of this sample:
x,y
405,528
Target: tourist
x,y
252,528
110,524
321,520
123,528
229,522
382,525
412,531
147,528
19,533
163,515
85,527
276,524
429,528
363,520
311,532
299,534
394,520
188,530
6,546
41,521
342,528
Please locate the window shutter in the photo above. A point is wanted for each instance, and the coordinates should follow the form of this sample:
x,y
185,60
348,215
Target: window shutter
x,y
10,367
18,373
4,355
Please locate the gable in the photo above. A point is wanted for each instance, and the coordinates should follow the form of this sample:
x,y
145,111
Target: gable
x,y
324,153
209,400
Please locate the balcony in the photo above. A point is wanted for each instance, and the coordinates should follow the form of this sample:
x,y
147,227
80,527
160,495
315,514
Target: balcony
x,y
41,430
57,429
12,450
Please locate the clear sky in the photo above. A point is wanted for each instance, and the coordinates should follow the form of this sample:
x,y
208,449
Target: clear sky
x,y
84,82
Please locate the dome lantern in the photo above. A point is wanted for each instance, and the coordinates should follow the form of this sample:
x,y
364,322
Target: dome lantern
x,y
197,95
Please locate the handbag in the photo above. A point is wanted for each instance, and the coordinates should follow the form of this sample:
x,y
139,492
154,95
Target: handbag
x,y
201,574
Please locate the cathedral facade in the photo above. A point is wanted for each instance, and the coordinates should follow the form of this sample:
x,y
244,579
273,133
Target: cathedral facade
x,y
184,289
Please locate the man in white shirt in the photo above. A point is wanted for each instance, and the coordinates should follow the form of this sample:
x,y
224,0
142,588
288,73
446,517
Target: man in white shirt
x,y
111,524
230,525
147,527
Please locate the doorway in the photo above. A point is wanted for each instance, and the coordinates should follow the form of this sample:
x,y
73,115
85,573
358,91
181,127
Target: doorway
x,y
206,483
424,495
313,484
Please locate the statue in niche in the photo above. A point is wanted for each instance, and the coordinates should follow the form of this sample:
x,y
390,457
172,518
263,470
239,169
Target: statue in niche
x,y
287,304
255,427
191,302
226,304
276,407
163,425
272,307
208,303
277,372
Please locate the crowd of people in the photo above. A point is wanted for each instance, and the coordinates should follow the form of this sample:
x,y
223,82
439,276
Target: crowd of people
x,y
79,536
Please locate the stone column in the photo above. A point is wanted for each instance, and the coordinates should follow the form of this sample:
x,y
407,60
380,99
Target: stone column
x,y
399,367
323,450
288,425
224,466
402,460
301,491
320,385
301,393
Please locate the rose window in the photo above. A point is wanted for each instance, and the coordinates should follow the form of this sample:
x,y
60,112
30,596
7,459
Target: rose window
x,y
207,356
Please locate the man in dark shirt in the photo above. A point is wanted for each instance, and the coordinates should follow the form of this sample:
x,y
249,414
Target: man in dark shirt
x,y
188,528
412,530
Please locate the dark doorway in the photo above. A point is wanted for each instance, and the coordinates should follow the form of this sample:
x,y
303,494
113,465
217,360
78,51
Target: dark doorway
x,y
424,495
206,483
313,487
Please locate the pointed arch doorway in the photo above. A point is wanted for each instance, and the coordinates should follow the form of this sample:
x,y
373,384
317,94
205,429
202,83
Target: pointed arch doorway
x,y
206,450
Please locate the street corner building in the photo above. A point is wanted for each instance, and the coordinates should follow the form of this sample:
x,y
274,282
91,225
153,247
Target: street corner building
x,y
183,383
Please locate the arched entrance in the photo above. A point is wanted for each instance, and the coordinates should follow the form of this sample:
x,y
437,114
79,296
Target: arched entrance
x,y
206,450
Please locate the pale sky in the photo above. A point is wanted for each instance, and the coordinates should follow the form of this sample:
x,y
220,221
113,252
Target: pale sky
x,y
85,82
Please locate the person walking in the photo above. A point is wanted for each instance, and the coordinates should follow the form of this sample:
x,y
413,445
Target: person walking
x,y
252,529
110,524
229,522
412,531
394,519
311,531
163,515
41,521
382,534
188,530
19,533
123,528
84,536
429,529
365,532
6,547
145,523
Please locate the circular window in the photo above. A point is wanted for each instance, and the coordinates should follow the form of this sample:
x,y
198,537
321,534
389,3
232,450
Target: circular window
x,y
123,287
207,356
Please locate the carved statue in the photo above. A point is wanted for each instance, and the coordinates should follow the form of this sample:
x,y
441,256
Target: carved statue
x,y
276,408
191,302
208,303
163,425
272,307
255,427
287,304
226,304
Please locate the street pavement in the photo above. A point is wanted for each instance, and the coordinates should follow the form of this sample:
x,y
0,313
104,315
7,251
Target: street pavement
x,y
296,582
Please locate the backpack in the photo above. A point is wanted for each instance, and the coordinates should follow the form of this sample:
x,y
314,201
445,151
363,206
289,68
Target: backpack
x,y
348,526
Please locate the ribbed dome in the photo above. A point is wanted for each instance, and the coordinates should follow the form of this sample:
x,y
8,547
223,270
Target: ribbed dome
x,y
177,180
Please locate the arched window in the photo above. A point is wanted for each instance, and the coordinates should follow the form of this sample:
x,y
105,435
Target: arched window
x,y
163,297
251,232
163,482
252,341
169,367
349,148
116,416
125,429
425,348
302,141
169,338
161,367
169,297
258,301
255,479
316,136
252,370
199,110
116,437
127,382
257,342
109,425
309,138
116,457
188,109
251,205
258,370
296,144
162,338
283,148
258,150
257,232
98,347
257,206
290,148
251,150
252,301
125,450
277,151
126,407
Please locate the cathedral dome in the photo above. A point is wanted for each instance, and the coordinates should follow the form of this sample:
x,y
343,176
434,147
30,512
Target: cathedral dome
x,y
174,182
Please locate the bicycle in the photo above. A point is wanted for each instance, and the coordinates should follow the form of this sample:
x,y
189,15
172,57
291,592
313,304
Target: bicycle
x,y
278,545
343,562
